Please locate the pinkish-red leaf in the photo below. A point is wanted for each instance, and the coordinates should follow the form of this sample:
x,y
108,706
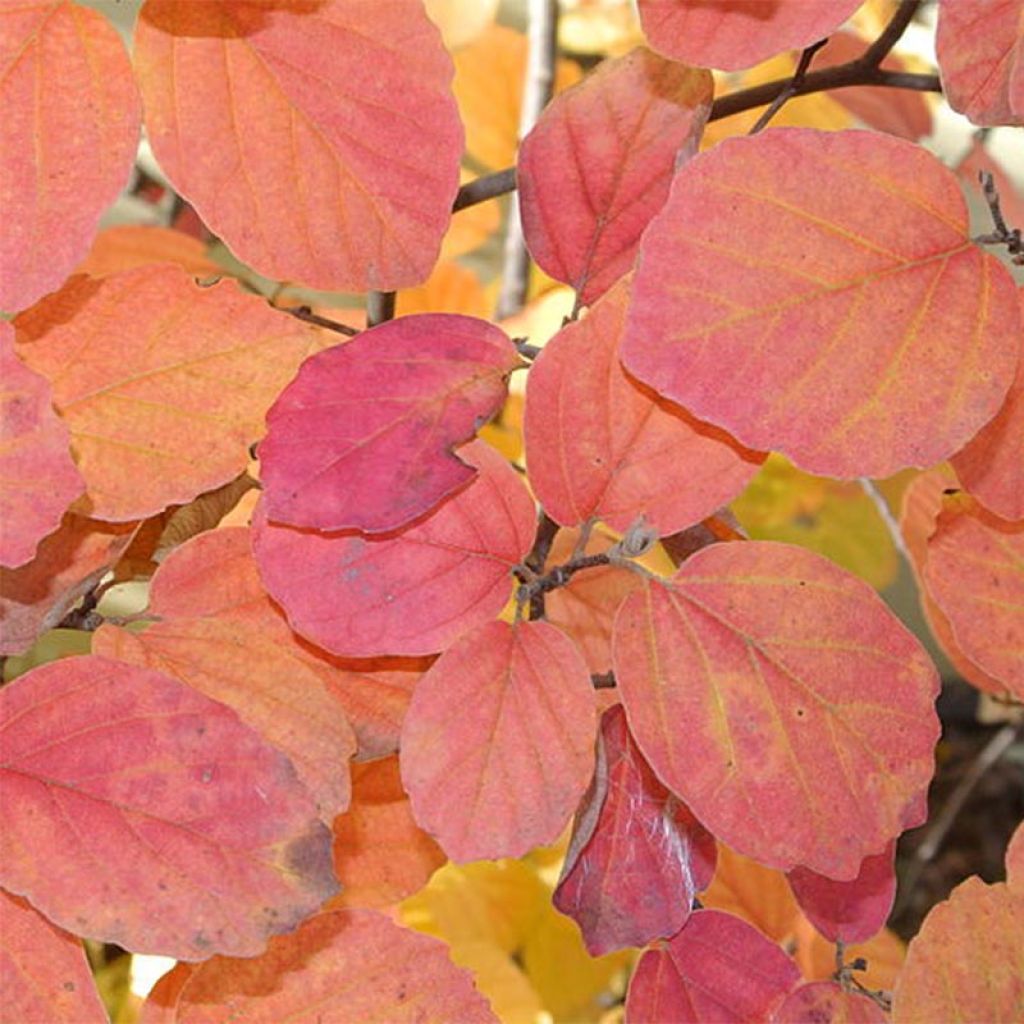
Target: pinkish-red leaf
x,y
637,856
718,968
824,1002
411,592
1015,860
817,293
140,812
44,975
808,706
320,140
601,446
733,34
980,48
71,126
38,478
352,965
498,743
848,911
598,165
364,437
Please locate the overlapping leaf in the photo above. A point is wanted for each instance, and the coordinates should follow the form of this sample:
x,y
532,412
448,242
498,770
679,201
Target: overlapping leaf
x,y
71,126
320,141
412,592
637,856
44,974
980,48
717,968
825,1002
600,446
808,708
732,34
38,478
163,384
266,684
341,965
141,812
137,245
599,162
816,293
498,743
363,438
1015,860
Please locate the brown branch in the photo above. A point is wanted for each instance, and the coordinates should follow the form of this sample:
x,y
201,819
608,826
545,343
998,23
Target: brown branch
x,y
1003,235
307,315
891,34
380,307
791,90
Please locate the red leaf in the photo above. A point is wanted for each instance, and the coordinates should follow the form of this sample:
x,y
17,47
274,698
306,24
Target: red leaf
x,y
637,856
598,165
140,812
718,968
733,34
71,126
980,48
498,743
848,911
44,975
320,141
363,438
272,691
809,707
412,592
975,574
600,446
38,478
824,1002
857,336
353,965
68,563
966,961
163,384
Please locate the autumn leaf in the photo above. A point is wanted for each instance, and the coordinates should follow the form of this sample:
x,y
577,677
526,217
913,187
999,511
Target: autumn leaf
x,y
127,246
825,1002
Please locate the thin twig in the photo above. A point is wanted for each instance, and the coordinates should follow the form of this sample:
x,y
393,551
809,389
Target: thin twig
x,y
602,680
534,562
1003,235
890,35
793,89
380,307
489,186
307,315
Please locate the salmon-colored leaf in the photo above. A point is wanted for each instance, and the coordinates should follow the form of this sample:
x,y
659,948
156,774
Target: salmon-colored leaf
x,y
817,293
1015,860
380,854
38,478
71,127
975,574
980,48
127,246
848,911
637,856
718,968
320,142
733,34
269,687
141,812
824,1002
412,592
363,438
161,1004
351,965
44,975
598,445
498,743
163,384
68,563
598,165
967,961
808,706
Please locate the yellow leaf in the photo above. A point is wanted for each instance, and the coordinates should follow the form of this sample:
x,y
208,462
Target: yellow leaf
x,y
506,432
512,997
606,27
461,21
451,288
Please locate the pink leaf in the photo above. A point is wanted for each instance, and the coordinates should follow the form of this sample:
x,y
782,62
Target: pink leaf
x,y
824,1002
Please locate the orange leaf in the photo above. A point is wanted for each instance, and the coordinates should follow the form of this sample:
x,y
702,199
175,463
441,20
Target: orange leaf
x,y
319,140
38,479
343,965
44,974
809,706
161,1005
857,337
71,126
498,742
163,384
884,956
136,245
967,961
271,690
140,812
600,446
380,854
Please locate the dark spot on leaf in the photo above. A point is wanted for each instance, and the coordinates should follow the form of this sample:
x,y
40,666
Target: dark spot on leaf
x,y
162,885
69,986
400,993
200,941
800,712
